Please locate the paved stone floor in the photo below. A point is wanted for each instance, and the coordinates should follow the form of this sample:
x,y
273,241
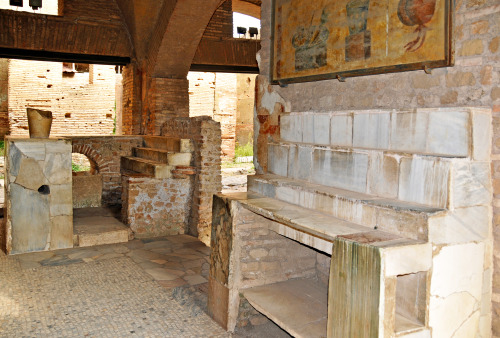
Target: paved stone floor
x,y
143,288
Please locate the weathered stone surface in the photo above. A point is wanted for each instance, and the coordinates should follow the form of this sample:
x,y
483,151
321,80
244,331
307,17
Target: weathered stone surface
x,y
471,184
340,169
61,232
449,133
30,219
32,149
61,200
341,130
30,174
57,168
87,191
481,136
291,128
14,155
308,128
383,175
371,130
461,225
406,259
321,129
299,162
424,180
446,315
278,159
354,291
458,269
409,131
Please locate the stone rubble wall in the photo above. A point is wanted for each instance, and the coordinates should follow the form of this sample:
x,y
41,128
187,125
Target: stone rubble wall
x,y
206,136
156,207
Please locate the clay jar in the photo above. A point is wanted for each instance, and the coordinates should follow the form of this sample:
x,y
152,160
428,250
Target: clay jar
x,y
39,122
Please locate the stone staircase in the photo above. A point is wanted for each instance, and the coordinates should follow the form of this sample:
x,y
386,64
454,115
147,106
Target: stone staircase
x,y
158,157
157,186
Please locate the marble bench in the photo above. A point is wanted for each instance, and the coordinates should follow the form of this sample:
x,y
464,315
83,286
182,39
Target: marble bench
x,y
366,263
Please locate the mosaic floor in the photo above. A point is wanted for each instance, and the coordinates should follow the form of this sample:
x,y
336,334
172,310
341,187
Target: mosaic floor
x,y
143,288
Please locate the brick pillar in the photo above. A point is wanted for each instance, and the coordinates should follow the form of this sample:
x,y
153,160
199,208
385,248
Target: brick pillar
x,y
166,98
131,102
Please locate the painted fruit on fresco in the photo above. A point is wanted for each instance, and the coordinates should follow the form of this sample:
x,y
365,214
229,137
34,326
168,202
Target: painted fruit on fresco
x,y
416,13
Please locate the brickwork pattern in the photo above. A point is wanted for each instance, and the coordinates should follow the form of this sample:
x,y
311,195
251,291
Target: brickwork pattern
x,y
131,104
154,207
81,103
166,98
206,136
221,23
106,153
4,94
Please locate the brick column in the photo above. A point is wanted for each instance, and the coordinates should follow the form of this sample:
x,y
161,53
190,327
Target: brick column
x,y
131,100
166,98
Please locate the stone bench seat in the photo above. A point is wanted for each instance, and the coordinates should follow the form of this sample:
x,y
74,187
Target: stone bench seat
x,y
406,219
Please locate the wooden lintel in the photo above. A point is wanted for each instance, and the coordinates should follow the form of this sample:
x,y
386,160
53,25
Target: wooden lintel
x,y
227,54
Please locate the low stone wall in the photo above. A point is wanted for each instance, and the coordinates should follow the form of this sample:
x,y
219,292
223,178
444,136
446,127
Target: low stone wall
x,y
87,190
206,136
156,207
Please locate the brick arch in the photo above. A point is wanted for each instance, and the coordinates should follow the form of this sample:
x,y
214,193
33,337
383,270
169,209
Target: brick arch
x,y
93,156
185,22
247,8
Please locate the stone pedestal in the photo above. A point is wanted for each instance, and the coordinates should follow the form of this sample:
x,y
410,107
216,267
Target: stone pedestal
x,y
38,200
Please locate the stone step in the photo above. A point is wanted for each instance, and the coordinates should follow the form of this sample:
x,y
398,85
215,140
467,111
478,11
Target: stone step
x,y
98,230
152,154
408,220
163,143
152,168
163,156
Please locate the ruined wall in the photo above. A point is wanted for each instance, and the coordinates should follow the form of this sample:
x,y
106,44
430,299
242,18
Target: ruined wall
x,y
473,81
106,152
81,103
206,136
4,93
245,91
228,99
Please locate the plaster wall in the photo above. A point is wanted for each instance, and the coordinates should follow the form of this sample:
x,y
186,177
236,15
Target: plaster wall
x,y
474,80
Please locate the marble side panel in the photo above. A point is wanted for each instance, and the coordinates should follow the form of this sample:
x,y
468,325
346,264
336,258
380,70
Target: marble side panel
x,y
308,128
278,159
471,184
321,129
30,219
341,130
346,170
461,225
481,136
424,180
449,133
409,131
383,175
291,128
300,162
371,130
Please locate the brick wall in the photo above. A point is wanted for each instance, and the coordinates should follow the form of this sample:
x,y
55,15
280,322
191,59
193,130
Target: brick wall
x,y
131,100
206,136
473,81
221,23
4,92
81,104
228,99
108,10
106,152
